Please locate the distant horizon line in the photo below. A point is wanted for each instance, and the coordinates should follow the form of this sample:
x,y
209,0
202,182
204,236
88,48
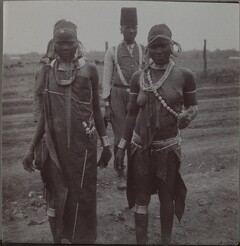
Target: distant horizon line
x,y
92,51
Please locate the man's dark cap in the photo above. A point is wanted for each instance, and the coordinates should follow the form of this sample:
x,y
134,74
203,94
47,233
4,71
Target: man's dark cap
x,y
128,17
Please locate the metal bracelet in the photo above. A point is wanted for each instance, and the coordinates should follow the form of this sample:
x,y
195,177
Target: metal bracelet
x,y
105,141
107,103
122,144
51,212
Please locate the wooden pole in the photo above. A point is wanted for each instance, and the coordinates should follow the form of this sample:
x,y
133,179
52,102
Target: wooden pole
x,y
205,59
106,45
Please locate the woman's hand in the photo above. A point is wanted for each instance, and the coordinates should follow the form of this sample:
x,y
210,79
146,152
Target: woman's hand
x,y
118,162
183,120
28,160
105,157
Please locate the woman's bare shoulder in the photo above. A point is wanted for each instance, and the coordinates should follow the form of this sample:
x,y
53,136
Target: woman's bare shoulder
x,y
183,70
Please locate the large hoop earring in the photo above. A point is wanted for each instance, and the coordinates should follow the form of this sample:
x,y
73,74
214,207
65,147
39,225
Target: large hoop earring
x,y
179,48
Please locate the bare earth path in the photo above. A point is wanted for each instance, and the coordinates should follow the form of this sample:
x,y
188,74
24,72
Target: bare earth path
x,y
210,169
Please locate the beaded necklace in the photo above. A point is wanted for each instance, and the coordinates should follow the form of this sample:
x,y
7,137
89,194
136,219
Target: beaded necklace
x,y
64,77
153,87
150,86
159,67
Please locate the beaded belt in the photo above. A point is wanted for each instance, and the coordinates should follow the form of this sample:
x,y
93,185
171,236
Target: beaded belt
x,y
158,144
126,87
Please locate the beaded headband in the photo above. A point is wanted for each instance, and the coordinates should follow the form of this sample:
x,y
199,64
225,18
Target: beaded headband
x,y
62,30
159,36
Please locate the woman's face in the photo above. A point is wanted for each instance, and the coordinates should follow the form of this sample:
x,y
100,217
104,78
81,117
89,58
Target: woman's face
x,y
65,45
160,51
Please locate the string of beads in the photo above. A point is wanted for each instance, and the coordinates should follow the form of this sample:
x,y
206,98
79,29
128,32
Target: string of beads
x,y
159,83
66,77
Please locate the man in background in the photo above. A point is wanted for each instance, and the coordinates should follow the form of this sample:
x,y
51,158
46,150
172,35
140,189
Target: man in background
x,y
120,63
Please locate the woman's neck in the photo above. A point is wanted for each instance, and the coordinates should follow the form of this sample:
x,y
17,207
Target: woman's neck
x,y
159,67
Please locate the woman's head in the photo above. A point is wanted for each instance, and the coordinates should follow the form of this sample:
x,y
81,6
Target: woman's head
x,y
160,44
65,40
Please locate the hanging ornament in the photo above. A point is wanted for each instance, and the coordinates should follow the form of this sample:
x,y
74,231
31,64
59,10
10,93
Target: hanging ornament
x,y
89,129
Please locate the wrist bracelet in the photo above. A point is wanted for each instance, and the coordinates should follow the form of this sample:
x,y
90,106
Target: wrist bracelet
x,y
107,103
122,144
105,141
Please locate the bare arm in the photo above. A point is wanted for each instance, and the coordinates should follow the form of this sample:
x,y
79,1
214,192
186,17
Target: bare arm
x,y
190,101
192,111
132,108
38,134
40,130
98,119
97,114
132,112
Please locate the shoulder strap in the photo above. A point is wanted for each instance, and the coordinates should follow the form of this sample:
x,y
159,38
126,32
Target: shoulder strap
x,y
118,67
139,50
140,56
116,54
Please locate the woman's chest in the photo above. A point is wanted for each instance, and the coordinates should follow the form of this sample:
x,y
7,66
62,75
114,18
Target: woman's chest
x,y
169,88
81,86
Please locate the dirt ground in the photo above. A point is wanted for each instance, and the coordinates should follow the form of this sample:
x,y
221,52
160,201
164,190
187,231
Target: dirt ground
x,y
210,151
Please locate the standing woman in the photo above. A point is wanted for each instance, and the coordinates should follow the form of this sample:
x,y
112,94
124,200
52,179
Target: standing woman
x,y
71,111
162,102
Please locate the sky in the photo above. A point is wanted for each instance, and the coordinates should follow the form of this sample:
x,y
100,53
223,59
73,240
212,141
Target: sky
x,y
28,25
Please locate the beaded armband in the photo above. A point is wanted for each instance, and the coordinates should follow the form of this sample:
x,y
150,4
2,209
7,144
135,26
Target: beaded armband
x,y
122,144
105,141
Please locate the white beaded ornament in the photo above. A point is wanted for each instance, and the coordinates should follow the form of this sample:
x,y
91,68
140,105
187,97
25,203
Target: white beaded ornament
x,y
158,96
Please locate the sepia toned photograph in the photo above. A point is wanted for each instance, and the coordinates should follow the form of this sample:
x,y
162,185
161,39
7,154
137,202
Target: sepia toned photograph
x,y
120,123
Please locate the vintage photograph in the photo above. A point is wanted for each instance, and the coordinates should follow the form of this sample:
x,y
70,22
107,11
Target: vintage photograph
x,y
120,122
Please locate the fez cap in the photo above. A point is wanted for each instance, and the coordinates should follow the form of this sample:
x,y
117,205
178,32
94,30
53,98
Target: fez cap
x,y
128,17
159,30
64,25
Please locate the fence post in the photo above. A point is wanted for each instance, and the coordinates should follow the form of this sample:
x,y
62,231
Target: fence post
x,y
106,45
205,59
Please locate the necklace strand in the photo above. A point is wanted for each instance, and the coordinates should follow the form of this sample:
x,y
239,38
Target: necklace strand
x,y
159,83
69,74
